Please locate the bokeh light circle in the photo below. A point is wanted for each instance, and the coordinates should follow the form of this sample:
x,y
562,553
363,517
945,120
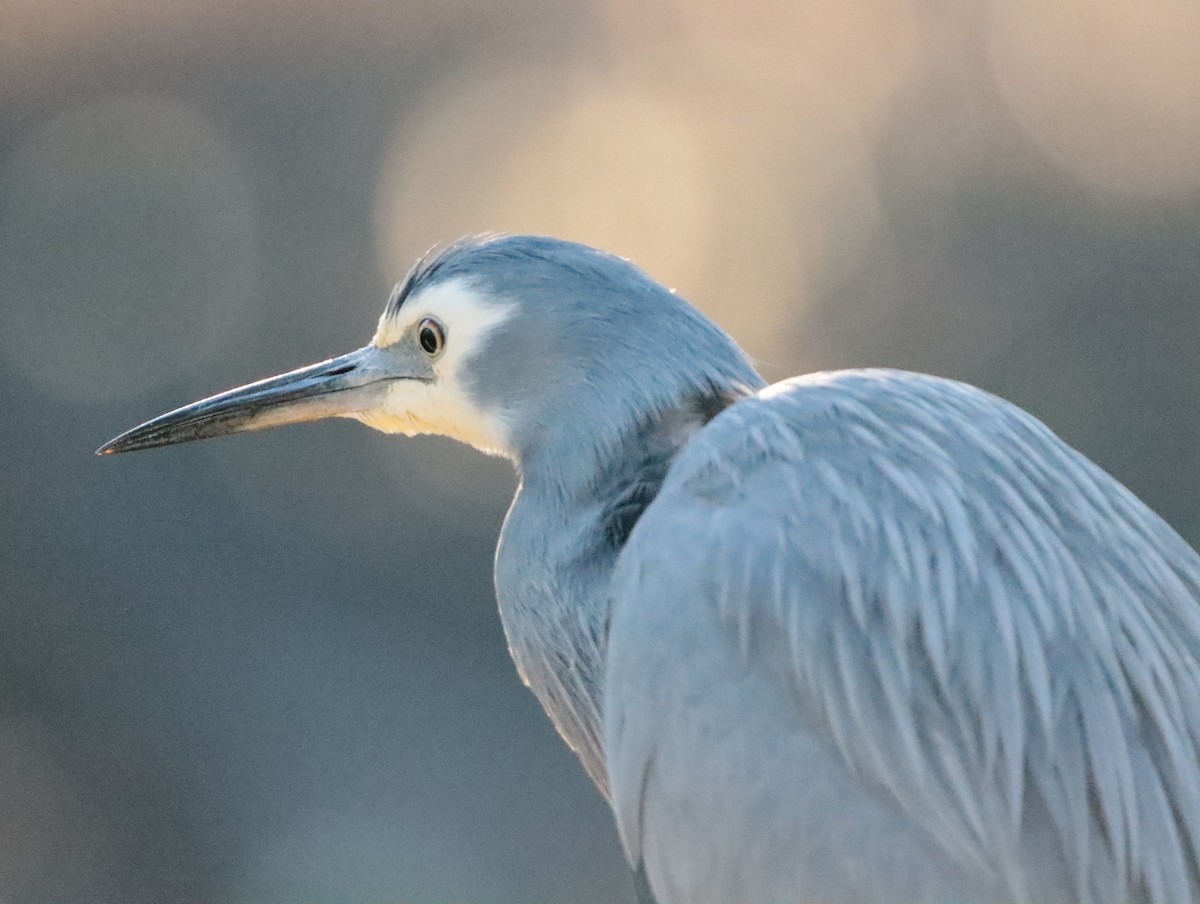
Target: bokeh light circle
x,y
1111,91
127,247
580,157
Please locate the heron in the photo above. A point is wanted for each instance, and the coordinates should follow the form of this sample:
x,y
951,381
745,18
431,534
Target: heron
x,y
856,637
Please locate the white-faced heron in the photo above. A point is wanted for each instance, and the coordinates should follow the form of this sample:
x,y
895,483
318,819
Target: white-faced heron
x,y
854,638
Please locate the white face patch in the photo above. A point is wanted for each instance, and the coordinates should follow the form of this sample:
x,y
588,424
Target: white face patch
x,y
443,406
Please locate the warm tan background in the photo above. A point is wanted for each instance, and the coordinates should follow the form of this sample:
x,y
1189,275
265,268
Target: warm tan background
x,y
270,669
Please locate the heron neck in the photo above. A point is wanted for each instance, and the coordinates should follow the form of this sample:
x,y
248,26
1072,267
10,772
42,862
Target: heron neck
x,y
559,545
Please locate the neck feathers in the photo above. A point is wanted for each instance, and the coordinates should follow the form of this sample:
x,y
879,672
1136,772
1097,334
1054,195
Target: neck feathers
x,y
630,480
559,545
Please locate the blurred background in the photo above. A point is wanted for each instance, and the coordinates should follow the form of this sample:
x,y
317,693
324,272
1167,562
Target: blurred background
x,y
270,669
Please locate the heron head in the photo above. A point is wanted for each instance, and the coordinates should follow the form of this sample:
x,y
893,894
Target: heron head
x,y
500,342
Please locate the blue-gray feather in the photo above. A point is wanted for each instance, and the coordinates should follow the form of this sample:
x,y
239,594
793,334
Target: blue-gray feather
x,y
854,638
1000,641
600,376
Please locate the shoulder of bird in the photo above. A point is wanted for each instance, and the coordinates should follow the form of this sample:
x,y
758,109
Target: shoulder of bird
x,y
988,627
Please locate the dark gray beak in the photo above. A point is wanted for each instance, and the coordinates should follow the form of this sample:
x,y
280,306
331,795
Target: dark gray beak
x,y
339,387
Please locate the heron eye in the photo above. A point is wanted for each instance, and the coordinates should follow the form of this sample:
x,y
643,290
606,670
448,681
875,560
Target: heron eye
x,y
431,336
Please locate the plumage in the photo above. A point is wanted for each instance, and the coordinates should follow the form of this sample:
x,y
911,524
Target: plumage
x,y
854,638
1033,694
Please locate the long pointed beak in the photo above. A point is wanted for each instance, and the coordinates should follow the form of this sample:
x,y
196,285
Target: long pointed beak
x,y
337,387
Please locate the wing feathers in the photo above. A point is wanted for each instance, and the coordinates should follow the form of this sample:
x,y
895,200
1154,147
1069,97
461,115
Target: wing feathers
x,y
992,630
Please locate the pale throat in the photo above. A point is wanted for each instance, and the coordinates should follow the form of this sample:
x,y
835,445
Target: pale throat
x,y
443,406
